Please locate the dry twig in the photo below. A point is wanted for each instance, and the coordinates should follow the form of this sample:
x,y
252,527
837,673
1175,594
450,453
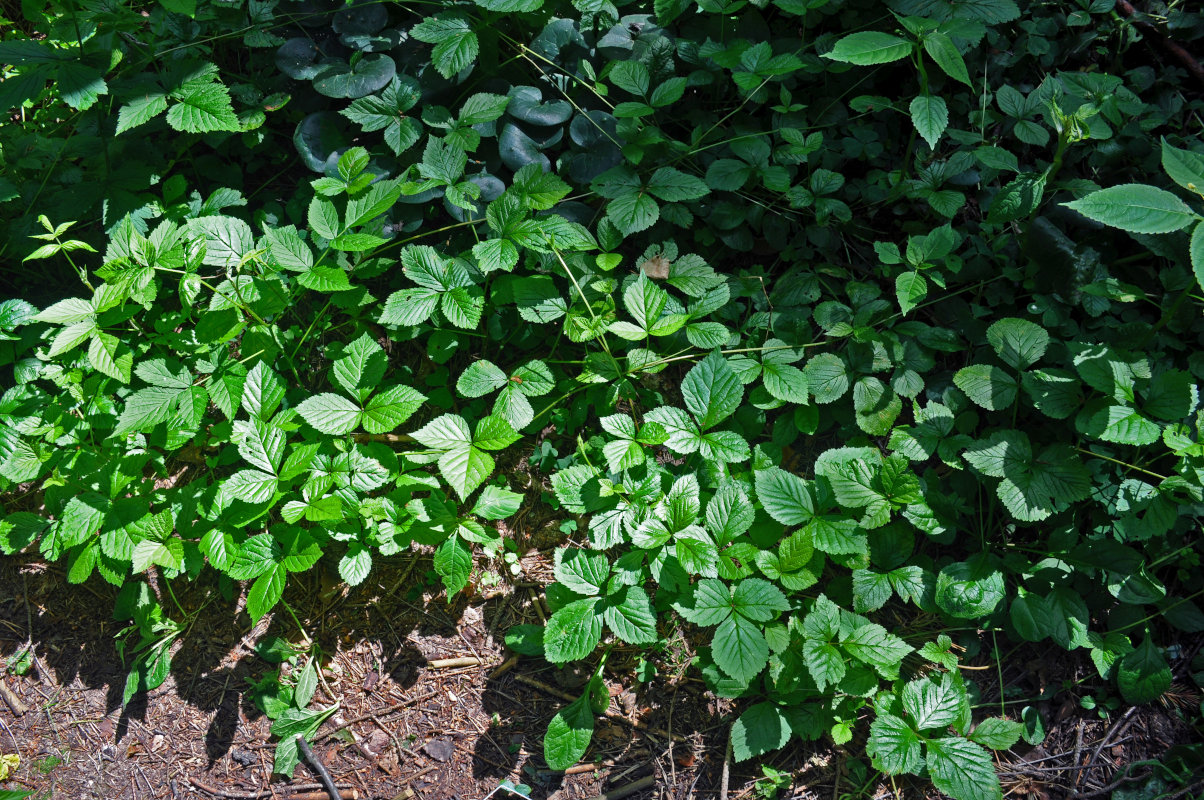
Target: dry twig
x,y
609,714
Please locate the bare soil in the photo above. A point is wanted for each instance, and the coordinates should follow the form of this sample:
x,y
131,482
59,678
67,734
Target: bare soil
x,y
410,728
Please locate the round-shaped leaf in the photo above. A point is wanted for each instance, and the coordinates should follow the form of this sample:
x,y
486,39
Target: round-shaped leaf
x,y
360,18
318,136
369,74
296,58
517,149
526,105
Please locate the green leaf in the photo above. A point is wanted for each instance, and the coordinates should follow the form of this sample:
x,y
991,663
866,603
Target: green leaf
x,y
456,44
388,409
930,115
583,571
711,391
262,392
946,55
202,108
361,366
673,185
1143,675
1019,342
325,279
630,615
323,217
409,306
739,648
266,592
932,704
1196,249
761,729
140,110
827,377
111,356
330,413
569,733
758,600
962,769
633,212
870,47
910,289
250,486
379,198
1136,208
871,644
894,746
988,386
465,467
784,496
480,378
1185,167
453,562
573,631
997,734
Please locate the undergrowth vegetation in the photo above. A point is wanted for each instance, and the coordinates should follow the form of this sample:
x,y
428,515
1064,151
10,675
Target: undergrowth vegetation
x,y
853,338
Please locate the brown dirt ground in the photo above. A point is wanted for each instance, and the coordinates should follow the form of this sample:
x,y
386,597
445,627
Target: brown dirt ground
x,y
453,733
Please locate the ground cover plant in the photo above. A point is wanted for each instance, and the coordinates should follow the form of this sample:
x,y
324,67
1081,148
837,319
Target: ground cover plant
x,y
848,340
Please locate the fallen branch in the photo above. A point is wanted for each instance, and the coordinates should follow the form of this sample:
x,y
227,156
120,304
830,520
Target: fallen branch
x,y
631,788
400,704
725,776
301,792
609,713
14,702
448,663
1174,49
323,774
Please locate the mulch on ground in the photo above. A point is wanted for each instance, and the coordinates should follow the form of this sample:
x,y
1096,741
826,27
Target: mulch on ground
x,y
433,707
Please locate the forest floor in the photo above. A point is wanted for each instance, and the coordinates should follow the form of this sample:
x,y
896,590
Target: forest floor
x,y
410,724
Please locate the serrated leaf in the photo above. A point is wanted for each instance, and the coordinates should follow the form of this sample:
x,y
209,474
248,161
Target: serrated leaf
x,y
456,44
631,616
388,409
739,648
997,733
946,55
202,108
870,47
962,769
1143,675
573,631
711,391
1136,208
930,115
932,704
453,562
583,571
330,413
761,729
894,746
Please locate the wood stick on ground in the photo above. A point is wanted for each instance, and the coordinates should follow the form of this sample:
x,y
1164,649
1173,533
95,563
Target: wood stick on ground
x,y
449,663
319,767
726,774
389,709
506,666
300,792
11,699
609,714
614,794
